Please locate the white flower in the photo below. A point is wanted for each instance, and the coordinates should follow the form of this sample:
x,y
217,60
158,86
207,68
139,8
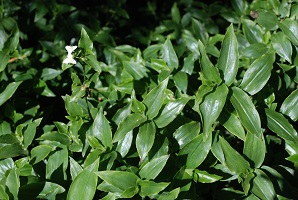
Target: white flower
x,y
69,59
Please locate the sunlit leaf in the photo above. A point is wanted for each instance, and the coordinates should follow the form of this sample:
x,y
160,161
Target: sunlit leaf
x,y
151,169
289,106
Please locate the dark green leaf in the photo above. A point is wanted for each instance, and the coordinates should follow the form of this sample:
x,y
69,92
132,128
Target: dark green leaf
x,y
282,46
246,110
4,57
170,111
132,121
252,31
150,188
186,133
145,139
40,152
154,99
85,42
289,106
137,70
30,131
258,73
228,59
13,183
12,150
151,169
169,55
290,28
262,186
181,81
55,161
9,91
267,19
136,106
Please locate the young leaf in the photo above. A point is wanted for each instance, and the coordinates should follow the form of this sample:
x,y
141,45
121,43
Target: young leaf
x,y
145,139
9,91
255,149
289,106
196,151
290,29
170,111
119,179
169,55
258,73
212,106
228,60
132,121
246,110
233,160
154,99
151,169
102,130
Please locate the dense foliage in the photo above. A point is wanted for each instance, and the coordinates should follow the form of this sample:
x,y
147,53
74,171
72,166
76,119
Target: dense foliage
x,y
156,99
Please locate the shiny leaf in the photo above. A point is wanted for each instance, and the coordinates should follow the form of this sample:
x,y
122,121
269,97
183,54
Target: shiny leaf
x,y
282,46
290,28
151,169
289,106
9,91
169,55
145,139
262,186
186,133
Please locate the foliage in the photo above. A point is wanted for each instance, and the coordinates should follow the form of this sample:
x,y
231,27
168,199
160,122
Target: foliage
x,y
172,100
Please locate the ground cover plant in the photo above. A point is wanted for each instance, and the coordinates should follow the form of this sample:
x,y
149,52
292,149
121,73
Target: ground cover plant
x,y
151,100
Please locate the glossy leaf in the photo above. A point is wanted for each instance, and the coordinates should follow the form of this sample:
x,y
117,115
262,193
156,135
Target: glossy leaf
x,y
252,31
262,186
281,126
196,151
151,169
254,149
169,55
254,51
30,131
181,81
228,60
145,139
169,195
84,185
75,168
137,70
205,177
212,106
4,57
132,121
40,152
55,161
13,183
186,133
234,161
246,110
289,106
102,130
258,73
208,70
12,150
290,28
150,188
124,145
154,99
282,46
85,41
136,105
9,91
119,179
267,19
170,111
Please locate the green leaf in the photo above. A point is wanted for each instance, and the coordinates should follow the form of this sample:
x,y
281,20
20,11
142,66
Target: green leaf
x,y
124,145
267,19
255,149
132,121
252,31
13,183
228,60
40,152
72,107
258,73
9,91
12,150
170,111
181,81
211,107
233,160
154,99
254,51
246,110
151,169
93,62
4,57
85,42
280,125
205,177
55,136
137,70
208,70
186,133
119,179
43,89
30,131
170,195
175,13
188,65
102,130
75,168
150,188
12,41
84,185
136,106
190,42
282,46
262,186
289,106
169,55
196,151
145,139
55,161
290,28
